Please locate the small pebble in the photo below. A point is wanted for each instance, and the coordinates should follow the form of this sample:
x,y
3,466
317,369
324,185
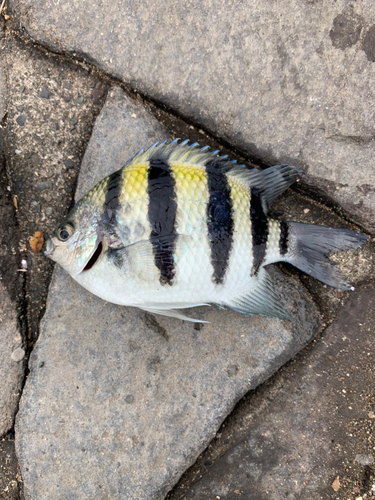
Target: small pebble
x,y
22,88
45,93
79,100
68,163
364,459
97,94
17,151
67,99
49,211
336,484
278,213
41,186
67,85
306,210
18,354
21,120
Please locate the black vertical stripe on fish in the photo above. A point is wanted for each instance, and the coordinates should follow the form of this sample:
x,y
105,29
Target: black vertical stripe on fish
x,y
284,235
220,222
112,195
162,210
259,230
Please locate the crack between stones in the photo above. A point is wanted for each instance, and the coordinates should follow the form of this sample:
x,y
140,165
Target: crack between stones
x,y
351,139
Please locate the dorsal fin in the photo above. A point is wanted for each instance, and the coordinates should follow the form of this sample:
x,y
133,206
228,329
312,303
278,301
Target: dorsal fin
x,y
270,182
182,152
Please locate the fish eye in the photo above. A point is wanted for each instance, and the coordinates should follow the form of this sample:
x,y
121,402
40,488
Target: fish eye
x,y
64,232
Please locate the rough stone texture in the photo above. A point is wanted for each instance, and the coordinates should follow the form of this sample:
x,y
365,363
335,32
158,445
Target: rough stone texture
x,y
56,130
123,127
283,81
11,370
316,426
118,402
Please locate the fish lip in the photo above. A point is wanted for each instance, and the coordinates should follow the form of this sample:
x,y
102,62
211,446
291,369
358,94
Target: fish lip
x,y
50,247
98,241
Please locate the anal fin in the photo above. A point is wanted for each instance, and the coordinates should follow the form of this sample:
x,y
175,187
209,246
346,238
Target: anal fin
x,y
259,298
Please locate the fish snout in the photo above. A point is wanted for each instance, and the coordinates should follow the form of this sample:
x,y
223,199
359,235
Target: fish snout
x,y
50,247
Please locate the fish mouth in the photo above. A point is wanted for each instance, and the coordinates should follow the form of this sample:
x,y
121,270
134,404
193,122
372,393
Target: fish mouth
x,y
94,257
50,248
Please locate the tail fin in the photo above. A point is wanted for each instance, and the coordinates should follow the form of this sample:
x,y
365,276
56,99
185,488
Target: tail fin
x,y
310,245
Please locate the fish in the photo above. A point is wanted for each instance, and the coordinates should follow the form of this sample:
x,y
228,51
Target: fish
x,y
180,226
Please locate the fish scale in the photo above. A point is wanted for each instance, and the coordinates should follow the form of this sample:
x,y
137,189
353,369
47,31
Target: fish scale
x,y
179,226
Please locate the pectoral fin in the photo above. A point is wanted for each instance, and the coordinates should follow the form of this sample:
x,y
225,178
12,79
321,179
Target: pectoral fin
x,y
141,255
172,313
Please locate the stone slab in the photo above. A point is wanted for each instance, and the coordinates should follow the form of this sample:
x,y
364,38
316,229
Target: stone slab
x,y
11,361
118,403
317,426
11,345
282,81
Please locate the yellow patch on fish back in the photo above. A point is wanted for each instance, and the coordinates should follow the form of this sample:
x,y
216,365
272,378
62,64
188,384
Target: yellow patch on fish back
x,y
134,197
242,247
192,197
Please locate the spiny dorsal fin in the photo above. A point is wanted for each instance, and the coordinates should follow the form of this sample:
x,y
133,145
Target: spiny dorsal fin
x,y
270,182
182,152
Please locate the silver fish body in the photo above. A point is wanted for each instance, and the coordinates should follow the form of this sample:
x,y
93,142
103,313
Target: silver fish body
x,y
179,226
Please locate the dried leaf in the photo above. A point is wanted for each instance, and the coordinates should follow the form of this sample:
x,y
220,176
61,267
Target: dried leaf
x,y
336,484
37,242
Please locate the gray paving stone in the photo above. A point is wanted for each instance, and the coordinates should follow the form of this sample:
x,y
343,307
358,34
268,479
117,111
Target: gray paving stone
x,y
11,361
317,426
284,82
11,346
118,403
